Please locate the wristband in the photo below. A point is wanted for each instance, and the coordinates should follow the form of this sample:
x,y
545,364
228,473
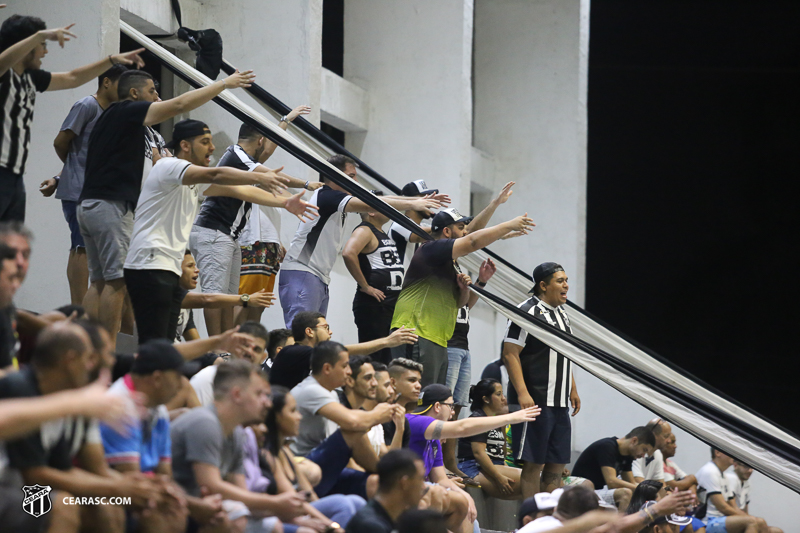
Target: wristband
x,y
306,185
224,85
285,119
110,58
480,283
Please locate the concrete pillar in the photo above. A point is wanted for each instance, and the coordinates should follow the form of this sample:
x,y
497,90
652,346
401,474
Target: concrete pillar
x,y
97,27
414,58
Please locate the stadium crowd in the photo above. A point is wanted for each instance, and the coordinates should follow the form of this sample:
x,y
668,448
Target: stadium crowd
x,y
285,429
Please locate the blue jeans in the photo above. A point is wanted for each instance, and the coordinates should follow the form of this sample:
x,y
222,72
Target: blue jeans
x,y
459,374
332,456
338,507
301,291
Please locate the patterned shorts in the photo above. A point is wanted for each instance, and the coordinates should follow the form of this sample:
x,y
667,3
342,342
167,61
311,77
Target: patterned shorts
x,y
260,265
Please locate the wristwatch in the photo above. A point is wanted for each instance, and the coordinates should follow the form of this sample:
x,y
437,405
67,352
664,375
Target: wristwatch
x,y
245,298
285,118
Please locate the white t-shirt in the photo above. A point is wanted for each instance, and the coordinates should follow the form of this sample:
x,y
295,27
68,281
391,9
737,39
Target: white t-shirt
x,y
164,217
203,384
710,481
376,438
672,472
740,489
259,228
649,466
545,523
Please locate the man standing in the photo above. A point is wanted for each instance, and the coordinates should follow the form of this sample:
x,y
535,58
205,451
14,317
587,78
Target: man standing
x,y
306,270
309,328
166,210
404,237
115,168
215,235
541,376
371,258
24,40
434,287
71,145
401,476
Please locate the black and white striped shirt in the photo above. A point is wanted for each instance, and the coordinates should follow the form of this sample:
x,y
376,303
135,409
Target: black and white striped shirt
x,y
547,373
223,213
17,98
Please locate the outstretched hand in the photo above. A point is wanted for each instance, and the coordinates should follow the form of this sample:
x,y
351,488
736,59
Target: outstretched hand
x,y
528,414
61,35
300,208
297,111
240,79
129,58
505,193
487,270
522,224
273,181
402,335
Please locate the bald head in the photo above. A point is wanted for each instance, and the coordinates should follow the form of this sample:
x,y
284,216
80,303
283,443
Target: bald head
x,y
57,341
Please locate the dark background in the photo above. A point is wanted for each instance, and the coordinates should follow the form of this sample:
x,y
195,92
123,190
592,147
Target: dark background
x,y
693,159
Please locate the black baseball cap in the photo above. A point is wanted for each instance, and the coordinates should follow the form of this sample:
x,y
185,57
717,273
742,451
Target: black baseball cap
x,y
435,392
186,129
156,354
674,519
542,271
445,217
417,188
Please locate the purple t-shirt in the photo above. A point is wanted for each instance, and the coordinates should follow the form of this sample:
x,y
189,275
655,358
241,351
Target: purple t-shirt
x,y
429,450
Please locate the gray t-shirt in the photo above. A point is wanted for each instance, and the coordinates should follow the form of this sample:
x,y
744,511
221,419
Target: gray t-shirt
x,y
197,438
314,428
80,120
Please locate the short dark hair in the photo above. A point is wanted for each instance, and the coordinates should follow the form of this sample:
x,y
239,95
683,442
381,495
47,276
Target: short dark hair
x,y
255,329
401,365
479,391
537,290
421,521
357,361
231,373
340,161
379,367
645,491
132,79
644,435
277,339
326,352
246,131
577,501
394,465
53,342
17,28
113,74
303,320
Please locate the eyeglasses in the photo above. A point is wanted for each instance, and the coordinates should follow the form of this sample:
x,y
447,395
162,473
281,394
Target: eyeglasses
x,y
451,405
326,326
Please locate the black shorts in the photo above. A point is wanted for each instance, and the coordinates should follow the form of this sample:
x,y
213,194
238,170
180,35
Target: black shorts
x,y
547,440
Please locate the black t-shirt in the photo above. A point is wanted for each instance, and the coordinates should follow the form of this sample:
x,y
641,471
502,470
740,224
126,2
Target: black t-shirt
x,y
461,333
8,337
117,148
56,442
604,452
291,366
389,430
382,268
372,518
494,439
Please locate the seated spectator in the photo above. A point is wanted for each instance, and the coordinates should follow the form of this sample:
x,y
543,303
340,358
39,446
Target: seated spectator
x,y
571,503
278,340
421,521
9,283
406,376
208,442
401,475
203,381
384,393
674,477
722,515
482,456
430,422
652,466
207,300
537,506
666,523
145,446
739,483
283,423
71,459
330,433
647,490
310,328
608,458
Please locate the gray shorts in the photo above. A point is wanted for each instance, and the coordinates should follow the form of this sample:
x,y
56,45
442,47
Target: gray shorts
x,y
106,227
219,259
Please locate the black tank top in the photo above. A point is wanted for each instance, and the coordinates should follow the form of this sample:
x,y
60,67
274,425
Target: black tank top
x,y
383,268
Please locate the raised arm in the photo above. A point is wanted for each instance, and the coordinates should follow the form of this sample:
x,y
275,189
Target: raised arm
x,y
229,176
85,74
213,300
160,111
484,237
294,204
269,146
467,427
356,419
399,336
401,203
480,221
17,52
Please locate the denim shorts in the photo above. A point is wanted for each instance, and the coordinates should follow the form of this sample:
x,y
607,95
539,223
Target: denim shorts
x,y
69,208
716,524
469,467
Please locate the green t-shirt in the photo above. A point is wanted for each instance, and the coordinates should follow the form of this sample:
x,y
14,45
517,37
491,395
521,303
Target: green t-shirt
x,y
429,299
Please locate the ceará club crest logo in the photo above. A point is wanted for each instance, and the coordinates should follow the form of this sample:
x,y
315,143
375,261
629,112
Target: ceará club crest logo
x,y
37,500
